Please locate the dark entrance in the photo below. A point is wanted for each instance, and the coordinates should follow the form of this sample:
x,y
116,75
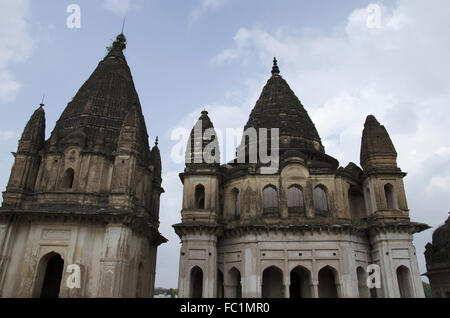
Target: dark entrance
x,y
52,278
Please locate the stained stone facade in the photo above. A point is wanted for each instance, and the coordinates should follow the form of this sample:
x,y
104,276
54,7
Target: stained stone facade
x,y
89,196
437,255
308,230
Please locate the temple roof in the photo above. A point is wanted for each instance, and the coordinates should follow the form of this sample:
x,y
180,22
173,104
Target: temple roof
x,y
203,135
278,107
33,135
101,105
441,236
375,141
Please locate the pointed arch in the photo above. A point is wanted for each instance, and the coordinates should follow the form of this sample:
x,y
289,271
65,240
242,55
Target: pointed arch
x,y
295,196
327,282
196,283
320,198
67,182
300,286
270,197
272,283
363,290
49,274
200,197
391,200
404,281
234,286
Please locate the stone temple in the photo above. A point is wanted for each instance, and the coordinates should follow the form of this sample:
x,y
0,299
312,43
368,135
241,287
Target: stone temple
x,y
437,255
311,229
87,196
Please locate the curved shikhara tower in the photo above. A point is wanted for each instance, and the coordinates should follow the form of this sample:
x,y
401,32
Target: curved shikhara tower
x,y
310,228
87,198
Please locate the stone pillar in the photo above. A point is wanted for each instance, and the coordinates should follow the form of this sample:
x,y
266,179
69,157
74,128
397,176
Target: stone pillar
x,y
286,290
113,265
251,276
315,289
309,201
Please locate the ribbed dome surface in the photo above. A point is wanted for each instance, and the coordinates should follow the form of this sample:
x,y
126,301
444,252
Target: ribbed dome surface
x,y
102,103
278,107
375,141
441,237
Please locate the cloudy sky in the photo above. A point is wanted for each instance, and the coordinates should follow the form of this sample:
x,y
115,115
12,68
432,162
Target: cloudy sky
x,y
187,56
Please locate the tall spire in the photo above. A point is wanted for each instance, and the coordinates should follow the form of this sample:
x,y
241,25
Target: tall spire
x,y
377,149
275,69
33,136
104,101
278,107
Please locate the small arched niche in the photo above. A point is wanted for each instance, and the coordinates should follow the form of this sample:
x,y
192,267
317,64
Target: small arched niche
x,y
68,178
320,200
295,200
363,289
200,197
270,200
391,200
404,282
196,283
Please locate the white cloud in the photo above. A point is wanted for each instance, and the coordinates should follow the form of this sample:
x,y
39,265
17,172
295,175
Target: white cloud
x,y
398,72
16,44
204,7
119,7
8,135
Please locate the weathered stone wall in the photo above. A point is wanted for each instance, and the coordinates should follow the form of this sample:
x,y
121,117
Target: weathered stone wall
x,y
109,257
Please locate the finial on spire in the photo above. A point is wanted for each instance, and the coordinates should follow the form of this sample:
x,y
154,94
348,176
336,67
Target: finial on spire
x,y
275,69
157,141
42,103
123,24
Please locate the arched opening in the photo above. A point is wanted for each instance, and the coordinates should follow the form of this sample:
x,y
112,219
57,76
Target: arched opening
x,y
220,289
67,182
363,289
295,201
272,283
200,197
327,283
234,287
196,284
356,203
404,282
390,197
295,197
300,283
320,200
53,264
270,197
236,203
